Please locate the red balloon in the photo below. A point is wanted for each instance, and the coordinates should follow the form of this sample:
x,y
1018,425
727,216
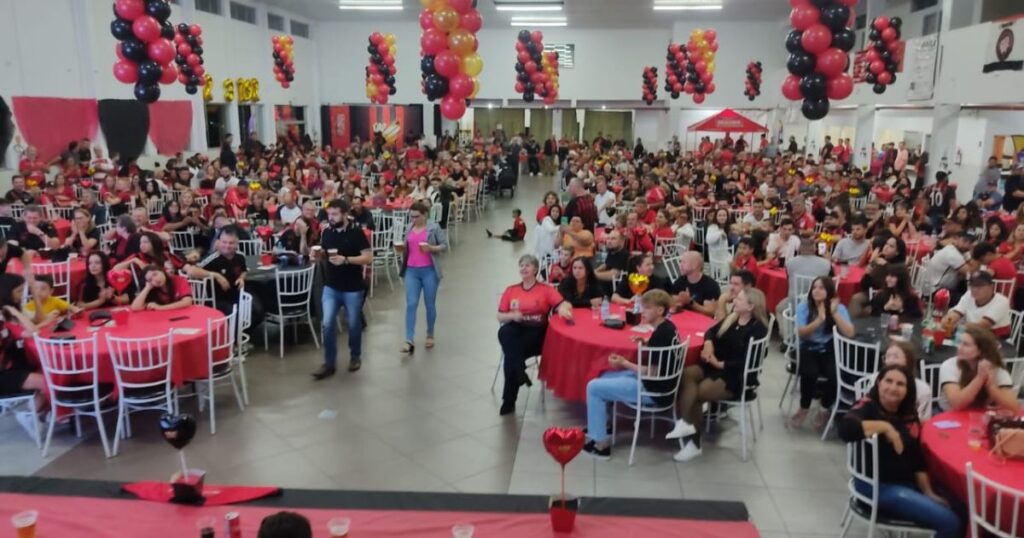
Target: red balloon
x,y
710,34
426,19
839,87
831,62
702,67
537,77
798,3
199,41
688,87
531,67
286,84
677,87
117,51
885,78
877,67
376,38
453,108
160,51
872,55
447,64
894,49
384,49
192,59
373,68
471,21
183,78
524,57
550,100
389,60
382,97
713,46
520,88
275,39
537,36
791,88
889,35
803,16
198,71
280,77
564,444
184,49
126,71
460,86
816,38
709,88
195,30
672,79
129,9
376,79
698,98
881,23
674,48
393,69
706,78
433,41
170,74
461,6
146,28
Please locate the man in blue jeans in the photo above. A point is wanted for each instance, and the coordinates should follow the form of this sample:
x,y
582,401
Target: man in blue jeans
x,y
346,249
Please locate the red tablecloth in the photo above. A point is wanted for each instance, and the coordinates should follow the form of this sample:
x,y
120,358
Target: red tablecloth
x,y
77,271
189,358
575,354
91,517
63,228
947,454
391,206
775,284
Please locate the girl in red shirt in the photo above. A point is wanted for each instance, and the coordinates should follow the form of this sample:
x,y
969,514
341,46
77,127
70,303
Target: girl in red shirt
x,y
163,291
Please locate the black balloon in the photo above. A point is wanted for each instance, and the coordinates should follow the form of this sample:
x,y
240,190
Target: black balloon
x,y
800,63
874,35
158,9
822,3
195,80
121,29
167,30
528,97
389,80
699,87
531,47
750,97
524,78
812,86
835,17
524,35
369,48
528,87
149,72
289,77
427,65
392,90
191,90
520,67
186,69
893,73
815,109
133,49
871,78
896,22
844,39
178,430
180,60
675,95
147,93
197,50
183,27
793,41
878,88
437,87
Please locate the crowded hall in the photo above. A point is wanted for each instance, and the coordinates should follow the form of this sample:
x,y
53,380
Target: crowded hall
x,y
718,268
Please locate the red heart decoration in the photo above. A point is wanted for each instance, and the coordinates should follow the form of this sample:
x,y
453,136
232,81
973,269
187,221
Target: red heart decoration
x,y
941,299
563,444
119,279
264,231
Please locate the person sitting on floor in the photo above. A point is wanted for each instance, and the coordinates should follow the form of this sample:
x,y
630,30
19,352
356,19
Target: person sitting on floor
x,y
518,230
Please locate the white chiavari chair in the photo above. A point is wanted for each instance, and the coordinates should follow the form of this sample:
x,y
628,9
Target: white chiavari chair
x,y
854,360
294,288
61,274
142,367
223,364
182,241
995,508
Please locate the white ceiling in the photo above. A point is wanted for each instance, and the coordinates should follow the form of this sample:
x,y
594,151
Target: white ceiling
x,y
581,13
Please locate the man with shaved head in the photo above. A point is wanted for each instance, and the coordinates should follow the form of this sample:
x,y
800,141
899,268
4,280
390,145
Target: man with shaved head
x,y
694,290
581,205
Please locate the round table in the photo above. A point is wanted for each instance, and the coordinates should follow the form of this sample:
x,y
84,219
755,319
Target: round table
x,y
189,359
947,454
869,329
775,284
574,354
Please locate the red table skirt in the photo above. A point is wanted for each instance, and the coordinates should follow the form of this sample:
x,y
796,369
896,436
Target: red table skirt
x,y
63,228
575,354
947,455
189,358
83,517
775,285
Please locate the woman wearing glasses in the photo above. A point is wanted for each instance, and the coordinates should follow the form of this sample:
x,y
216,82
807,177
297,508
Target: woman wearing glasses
x,y
421,270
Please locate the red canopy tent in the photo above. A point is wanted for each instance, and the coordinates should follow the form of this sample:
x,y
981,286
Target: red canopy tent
x,y
726,121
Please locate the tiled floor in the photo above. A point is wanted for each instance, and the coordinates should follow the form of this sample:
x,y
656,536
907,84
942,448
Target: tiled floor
x,y
430,422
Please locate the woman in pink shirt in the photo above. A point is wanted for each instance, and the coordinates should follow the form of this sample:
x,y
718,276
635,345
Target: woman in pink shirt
x,y
422,272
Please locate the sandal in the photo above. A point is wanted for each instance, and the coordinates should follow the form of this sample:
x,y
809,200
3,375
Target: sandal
x,y
430,342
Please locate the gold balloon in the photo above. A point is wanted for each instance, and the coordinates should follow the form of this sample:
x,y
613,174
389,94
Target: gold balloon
x,y
472,65
371,90
207,87
461,42
476,88
392,50
390,39
229,90
711,67
697,34
446,19
708,56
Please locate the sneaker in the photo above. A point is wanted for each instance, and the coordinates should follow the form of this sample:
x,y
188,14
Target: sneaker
x,y
323,373
603,454
688,452
682,429
489,234
354,365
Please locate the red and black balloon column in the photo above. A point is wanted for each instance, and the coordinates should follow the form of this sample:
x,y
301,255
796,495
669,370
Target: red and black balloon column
x,y
189,43
284,59
536,70
650,84
144,51
675,70
883,54
700,67
380,74
819,47
752,87
450,64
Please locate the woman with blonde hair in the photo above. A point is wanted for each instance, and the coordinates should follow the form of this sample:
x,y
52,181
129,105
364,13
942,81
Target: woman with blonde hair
x,y
720,373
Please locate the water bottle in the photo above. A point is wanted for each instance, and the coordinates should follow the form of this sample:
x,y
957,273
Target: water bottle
x,y
605,309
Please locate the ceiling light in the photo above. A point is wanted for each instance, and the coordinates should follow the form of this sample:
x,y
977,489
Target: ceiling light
x,y
524,20
687,5
370,5
528,5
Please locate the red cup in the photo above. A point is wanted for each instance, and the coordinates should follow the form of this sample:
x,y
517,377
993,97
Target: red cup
x,y
120,317
267,259
939,336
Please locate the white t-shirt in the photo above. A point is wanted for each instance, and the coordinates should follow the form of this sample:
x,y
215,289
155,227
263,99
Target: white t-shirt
x,y
942,268
924,397
599,202
949,372
289,214
783,249
753,221
685,235
997,310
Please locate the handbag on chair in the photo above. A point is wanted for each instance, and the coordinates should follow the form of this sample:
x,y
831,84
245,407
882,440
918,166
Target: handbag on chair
x,y
1007,438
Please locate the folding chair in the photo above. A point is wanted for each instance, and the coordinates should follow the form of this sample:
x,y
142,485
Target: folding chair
x,y
222,361
61,273
994,507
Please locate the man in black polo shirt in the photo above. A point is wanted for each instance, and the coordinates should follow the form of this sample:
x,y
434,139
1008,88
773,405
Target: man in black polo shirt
x,y
227,269
694,290
33,233
344,247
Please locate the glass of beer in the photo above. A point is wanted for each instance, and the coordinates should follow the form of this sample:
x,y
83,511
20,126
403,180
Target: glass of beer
x,y
463,530
338,527
25,523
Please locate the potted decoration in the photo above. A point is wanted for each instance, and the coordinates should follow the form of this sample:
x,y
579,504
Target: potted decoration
x,y
563,444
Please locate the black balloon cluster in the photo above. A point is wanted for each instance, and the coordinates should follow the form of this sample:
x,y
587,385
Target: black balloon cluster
x,y
752,88
677,75
533,70
144,50
189,44
650,85
883,54
819,49
284,59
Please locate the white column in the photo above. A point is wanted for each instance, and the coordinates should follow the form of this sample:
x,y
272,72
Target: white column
x,y
581,117
268,129
556,122
863,135
233,125
943,144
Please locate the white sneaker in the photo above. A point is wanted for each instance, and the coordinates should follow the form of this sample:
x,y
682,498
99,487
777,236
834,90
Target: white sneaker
x,y
681,429
688,452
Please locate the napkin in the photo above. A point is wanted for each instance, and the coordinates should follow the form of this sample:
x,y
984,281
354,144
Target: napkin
x,y
946,424
186,331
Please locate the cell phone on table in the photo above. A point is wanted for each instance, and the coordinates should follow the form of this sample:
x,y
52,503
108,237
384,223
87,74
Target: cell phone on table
x,y
179,318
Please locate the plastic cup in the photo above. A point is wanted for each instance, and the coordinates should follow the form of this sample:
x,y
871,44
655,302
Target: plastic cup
x,y
332,252
423,246
463,530
906,330
267,259
338,527
207,526
25,523
120,316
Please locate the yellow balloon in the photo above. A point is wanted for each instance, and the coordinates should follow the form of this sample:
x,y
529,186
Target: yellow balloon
x,y
371,90
461,42
446,19
711,67
697,34
476,88
472,65
709,55
392,50
429,4
390,38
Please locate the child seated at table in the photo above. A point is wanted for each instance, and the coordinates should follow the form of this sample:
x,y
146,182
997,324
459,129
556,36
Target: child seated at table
x,y
163,291
558,271
44,305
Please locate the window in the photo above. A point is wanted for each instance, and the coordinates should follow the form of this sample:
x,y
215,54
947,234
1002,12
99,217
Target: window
x,y
861,23
290,122
209,6
566,54
215,125
300,29
930,24
918,5
242,12
275,22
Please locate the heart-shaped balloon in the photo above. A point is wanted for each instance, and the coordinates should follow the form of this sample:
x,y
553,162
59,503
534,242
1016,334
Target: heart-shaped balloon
x,y
264,231
563,444
941,299
119,279
178,430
